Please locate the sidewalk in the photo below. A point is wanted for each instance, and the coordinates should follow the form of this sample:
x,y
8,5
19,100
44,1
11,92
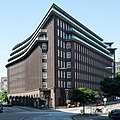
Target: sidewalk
x,y
110,105
84,117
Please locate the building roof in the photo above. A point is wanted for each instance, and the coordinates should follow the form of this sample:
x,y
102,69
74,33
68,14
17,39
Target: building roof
x,y
22,49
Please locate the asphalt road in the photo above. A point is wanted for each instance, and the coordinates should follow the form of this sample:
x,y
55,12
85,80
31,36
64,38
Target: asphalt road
x,y
23,113
12,113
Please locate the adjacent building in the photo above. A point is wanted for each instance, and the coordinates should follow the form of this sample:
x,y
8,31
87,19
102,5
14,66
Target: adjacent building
x,y
3,84
60,55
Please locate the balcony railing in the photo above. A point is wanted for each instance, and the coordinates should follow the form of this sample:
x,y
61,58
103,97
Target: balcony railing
x,y
70,37
42,38
43,30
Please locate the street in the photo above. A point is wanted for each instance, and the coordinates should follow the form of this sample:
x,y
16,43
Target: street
x,y
13,113
27,113
16,113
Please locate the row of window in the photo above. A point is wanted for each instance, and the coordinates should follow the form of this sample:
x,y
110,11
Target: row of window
x,y
62,44
68,54
79,75
62,24
68,84
62,64
87,85
64,84
81,49
62,74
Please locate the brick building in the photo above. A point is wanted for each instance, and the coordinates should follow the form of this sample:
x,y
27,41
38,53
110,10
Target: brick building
x,y
60,55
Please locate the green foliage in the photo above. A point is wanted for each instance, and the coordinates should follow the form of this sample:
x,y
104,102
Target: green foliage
x,y
3,96
84,95
117,75
106,86
111,86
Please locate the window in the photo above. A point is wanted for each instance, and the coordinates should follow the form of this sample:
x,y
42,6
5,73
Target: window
x,y
58,63
61,54
68,64
77,46
64,65
64,84
44,84
64,74
44,75
68,45
75,55
44,55
61,63
61,74
66,27
75,74
75,84
61,83
58,42
69,84
74,45
61,34
44,46
68,54
75,65
61,44
58,83
68,74
44,65
58,22
63,25
58,73
58,32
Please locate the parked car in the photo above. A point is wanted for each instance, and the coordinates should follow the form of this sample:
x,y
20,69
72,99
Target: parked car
x,y
100,103
1,107
114,114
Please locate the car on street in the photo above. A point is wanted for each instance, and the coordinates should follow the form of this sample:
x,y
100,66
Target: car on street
x,y
114,114
100,103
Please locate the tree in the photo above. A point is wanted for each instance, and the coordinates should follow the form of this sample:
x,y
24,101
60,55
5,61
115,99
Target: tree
x,y
110,86
107,87
83,95
3,96
117,75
